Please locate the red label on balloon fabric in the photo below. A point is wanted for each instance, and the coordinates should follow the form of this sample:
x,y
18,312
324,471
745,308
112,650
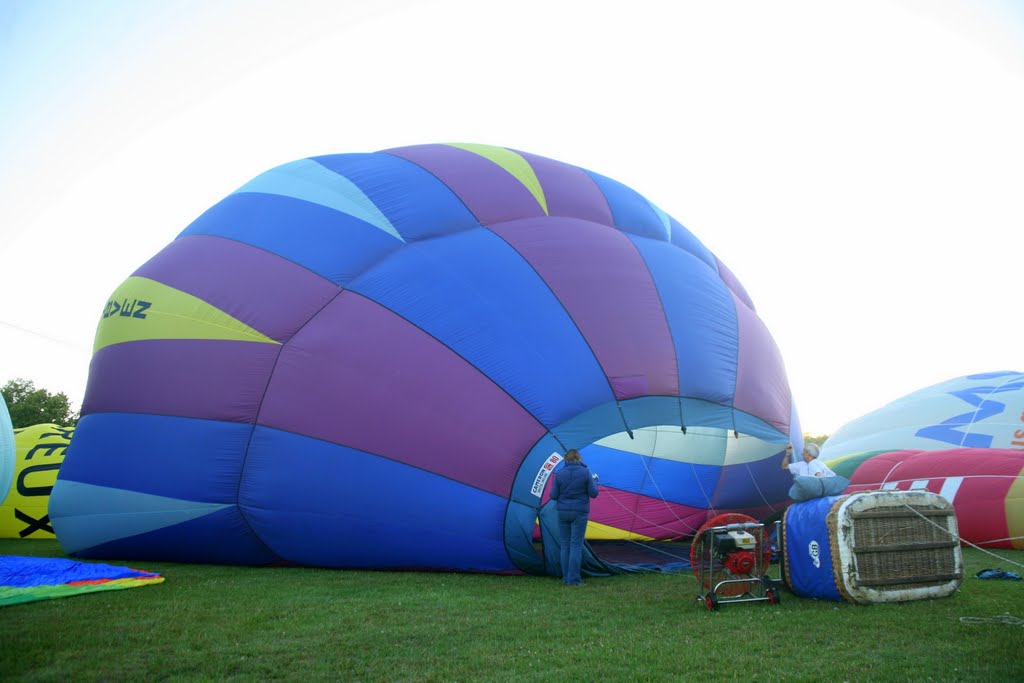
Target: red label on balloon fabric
x,y
543,473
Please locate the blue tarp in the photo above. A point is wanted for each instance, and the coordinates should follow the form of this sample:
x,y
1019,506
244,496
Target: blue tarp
x,y
24,579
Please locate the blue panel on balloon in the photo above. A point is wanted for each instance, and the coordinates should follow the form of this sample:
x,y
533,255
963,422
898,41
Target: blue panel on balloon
x,y
333,244
519,526
421,206
761,482
631,212
176,457
360,510
676,482
702,318
219,538
683,238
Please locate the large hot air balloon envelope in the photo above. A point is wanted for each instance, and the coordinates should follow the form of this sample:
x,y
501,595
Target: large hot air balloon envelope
x,y
377,360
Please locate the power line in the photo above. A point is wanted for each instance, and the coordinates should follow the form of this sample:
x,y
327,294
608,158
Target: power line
x,y
63,342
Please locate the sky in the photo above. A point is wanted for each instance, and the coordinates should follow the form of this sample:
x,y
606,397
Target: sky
x,y
856,164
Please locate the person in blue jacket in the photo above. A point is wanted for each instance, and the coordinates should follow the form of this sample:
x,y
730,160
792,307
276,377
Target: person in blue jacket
x,y
573,488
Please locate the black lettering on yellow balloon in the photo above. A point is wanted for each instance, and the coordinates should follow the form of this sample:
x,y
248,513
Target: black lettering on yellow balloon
x,y
50,448
42,524
28,491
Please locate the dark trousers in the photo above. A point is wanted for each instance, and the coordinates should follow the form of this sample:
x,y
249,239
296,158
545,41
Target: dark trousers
x,y
572,525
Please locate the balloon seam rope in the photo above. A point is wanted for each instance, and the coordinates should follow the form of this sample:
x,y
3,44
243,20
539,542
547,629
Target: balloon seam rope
x,y
885,479
618,404
759,491
1000,540
967,429
941,478
958,538
704,493
648,545
648,475
654,483
647,521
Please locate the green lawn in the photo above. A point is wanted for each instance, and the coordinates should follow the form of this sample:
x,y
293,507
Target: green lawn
x,y
233,623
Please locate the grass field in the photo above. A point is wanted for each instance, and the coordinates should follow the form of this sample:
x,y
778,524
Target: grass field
x,y
234,623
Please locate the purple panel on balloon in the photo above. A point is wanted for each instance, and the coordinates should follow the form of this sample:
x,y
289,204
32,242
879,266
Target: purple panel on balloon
x,y
266,292
569,191
761,387
603,283
360,376
211,379
488,190
645,515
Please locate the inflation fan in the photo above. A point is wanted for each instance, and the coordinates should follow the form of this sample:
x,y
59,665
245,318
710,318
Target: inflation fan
x,y
730,558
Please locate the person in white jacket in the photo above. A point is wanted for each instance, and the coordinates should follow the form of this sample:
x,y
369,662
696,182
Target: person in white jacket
x,y
810,466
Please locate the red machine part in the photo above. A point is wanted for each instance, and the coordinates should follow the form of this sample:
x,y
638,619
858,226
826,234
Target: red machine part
x,y
740,562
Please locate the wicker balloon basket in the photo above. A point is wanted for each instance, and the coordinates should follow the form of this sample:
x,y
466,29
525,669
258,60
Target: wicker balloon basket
x,y
880,546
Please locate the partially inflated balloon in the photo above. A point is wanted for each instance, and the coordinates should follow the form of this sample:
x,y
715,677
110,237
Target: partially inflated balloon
x,y
39,454
975,411
377,360
962,439
985,486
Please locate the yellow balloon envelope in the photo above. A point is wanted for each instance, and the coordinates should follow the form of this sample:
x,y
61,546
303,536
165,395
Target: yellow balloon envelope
x,y
39,453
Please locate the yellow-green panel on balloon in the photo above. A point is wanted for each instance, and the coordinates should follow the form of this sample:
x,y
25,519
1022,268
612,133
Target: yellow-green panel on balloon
x,y
146,309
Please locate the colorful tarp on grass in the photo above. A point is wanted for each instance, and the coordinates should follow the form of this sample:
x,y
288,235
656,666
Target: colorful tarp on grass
x,y
24,579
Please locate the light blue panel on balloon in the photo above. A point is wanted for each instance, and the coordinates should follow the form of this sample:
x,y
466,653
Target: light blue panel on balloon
x,y
631,212
125,514
421,206
331,243
6,450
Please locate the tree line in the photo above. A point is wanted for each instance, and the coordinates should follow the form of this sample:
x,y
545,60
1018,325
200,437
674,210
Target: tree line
x,y
29,405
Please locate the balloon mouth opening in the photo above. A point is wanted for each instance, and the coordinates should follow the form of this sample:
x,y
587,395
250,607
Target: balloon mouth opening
x,y
658,482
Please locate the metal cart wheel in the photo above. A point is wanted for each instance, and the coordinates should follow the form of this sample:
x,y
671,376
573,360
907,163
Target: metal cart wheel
x,y
711,601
